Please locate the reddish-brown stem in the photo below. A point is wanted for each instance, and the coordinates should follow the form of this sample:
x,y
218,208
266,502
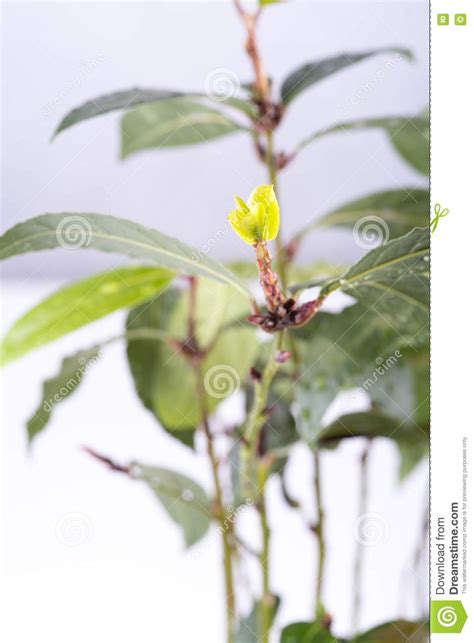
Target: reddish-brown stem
x,y
268,279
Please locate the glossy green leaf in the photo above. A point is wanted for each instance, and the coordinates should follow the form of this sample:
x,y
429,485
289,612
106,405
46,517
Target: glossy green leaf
x,y
163,376
388,214
396,632
111,102
185,501
393,282
403,394
391,124
311,73
59,387
412,142
82,303
74,231
172,123
340,351
306,633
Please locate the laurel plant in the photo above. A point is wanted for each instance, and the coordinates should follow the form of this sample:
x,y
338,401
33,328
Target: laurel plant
x,y
198,330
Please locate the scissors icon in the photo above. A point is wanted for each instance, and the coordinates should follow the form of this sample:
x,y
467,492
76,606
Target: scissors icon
x,y
439,214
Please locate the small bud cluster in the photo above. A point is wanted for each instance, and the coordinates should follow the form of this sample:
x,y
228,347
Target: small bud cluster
x,y
256,222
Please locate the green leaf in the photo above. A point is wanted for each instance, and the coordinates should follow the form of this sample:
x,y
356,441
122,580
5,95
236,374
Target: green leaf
x,y
185,501
368,424
144,354
391,124
357,349
393,281
338,352
412,142
82,303
165,381
305,76
306,633
172,123
412,440
75,231
387,215
249,627
403,394
240,104
112,102
395,632
59,387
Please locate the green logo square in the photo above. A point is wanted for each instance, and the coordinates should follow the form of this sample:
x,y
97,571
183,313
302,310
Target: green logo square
x,y
460,19
447,617
443,18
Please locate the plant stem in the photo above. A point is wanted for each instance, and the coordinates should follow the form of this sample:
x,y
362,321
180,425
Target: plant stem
x,y
280,255
358,562
251,464
225,527
225,531
256,417
319,611
266,602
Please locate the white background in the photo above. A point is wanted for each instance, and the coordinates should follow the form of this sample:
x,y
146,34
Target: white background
x,y
129,577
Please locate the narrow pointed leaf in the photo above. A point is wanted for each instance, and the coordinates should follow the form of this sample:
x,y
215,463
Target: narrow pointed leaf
x,y
412,142
185,500
172,123
82,303
393,126
111,234
390,214
62,385
311,73
111,102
